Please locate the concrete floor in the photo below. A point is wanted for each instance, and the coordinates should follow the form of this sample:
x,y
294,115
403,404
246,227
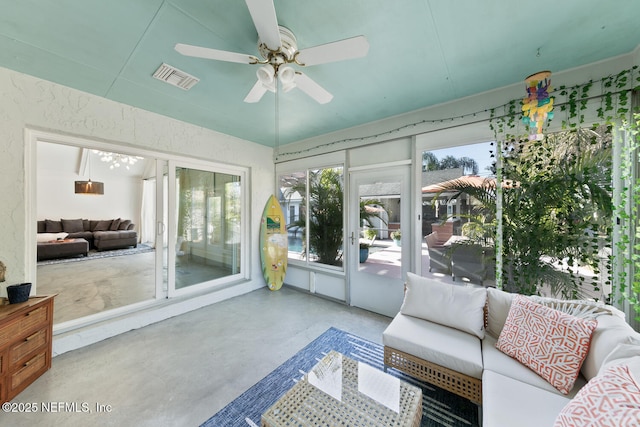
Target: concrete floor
x,y
181,371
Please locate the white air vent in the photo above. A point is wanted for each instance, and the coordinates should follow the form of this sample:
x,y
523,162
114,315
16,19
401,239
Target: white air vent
x,y
175,77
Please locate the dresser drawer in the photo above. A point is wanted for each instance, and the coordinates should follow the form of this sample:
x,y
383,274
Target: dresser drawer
x,y
25,343
29,368
23,324
19,350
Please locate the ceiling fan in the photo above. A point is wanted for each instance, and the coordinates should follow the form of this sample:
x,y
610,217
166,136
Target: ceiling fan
x,y
278,47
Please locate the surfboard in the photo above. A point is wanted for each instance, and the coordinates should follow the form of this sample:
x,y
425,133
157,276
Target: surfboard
x,y
274,244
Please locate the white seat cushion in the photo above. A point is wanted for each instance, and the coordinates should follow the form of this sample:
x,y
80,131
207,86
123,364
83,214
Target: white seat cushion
x,y
507,402
435,343
501,363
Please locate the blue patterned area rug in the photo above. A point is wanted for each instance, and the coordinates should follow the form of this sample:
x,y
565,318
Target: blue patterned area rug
x,y
94,254
440,408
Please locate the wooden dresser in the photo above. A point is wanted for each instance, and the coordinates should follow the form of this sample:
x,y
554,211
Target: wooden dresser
x,y
25,343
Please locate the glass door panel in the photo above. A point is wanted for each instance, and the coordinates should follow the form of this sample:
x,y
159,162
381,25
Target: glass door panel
x,y
207,226
379,209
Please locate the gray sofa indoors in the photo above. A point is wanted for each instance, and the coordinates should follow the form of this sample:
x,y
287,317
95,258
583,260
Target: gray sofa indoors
x,y
99,234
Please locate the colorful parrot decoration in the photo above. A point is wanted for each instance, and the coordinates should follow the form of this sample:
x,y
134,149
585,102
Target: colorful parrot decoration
x,y
537,107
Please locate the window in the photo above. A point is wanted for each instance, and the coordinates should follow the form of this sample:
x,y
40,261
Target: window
x,y
555,214
314,199
459,213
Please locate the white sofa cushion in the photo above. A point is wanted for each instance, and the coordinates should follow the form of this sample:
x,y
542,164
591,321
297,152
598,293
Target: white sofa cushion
x,y
507,402
495,360
498,305
435,343
611,331
460,307
552,343
610,399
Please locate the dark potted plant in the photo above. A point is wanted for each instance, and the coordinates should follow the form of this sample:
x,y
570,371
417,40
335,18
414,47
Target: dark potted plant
x,y
364,252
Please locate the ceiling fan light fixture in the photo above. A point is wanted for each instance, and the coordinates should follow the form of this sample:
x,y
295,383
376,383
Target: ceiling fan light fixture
x,y
267,76
287,76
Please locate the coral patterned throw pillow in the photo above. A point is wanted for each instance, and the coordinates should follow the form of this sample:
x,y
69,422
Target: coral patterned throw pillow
x,y
552,343
611,399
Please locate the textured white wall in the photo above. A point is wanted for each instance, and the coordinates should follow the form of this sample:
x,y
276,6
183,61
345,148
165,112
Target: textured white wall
x,y
28,102
56,198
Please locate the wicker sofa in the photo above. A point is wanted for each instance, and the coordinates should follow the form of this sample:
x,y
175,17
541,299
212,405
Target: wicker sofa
x,y
448,335
99,234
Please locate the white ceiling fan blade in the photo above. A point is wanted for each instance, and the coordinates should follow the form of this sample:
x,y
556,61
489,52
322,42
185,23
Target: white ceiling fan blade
x,y
354,47
256,93
313,89
220,55
263,13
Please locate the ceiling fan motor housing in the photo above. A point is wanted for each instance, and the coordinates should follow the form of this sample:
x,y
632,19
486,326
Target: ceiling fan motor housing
x,y
287,51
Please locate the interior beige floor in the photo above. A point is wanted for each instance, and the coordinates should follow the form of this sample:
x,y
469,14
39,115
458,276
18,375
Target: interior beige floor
x,y
90,286
181,371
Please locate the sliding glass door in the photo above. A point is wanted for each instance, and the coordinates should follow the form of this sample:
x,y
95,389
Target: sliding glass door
x,y
204,226
188,217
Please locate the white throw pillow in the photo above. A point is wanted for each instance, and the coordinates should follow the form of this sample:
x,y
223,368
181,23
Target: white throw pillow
x,y
459,307
48,237
610,332
623,353
498,305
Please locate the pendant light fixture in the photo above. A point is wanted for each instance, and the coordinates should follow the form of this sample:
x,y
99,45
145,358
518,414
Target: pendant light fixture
x,y
89,187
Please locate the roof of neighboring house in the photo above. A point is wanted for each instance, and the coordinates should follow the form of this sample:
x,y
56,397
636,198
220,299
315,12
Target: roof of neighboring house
x,y
471,180
383,189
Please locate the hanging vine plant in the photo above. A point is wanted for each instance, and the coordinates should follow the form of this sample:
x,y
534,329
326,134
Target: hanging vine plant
x,y
627,211
559,216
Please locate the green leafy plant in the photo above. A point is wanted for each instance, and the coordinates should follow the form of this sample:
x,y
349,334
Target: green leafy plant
x,y
556,206
556,212
326,201
627,211
613,93
370,234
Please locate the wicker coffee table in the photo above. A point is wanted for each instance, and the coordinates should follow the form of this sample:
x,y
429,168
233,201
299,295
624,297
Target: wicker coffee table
x,y
339,391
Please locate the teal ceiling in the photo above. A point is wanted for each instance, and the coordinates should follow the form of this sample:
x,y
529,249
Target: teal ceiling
x,y
422,52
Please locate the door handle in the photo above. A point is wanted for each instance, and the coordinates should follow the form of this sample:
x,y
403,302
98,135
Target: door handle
x,y
352,238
